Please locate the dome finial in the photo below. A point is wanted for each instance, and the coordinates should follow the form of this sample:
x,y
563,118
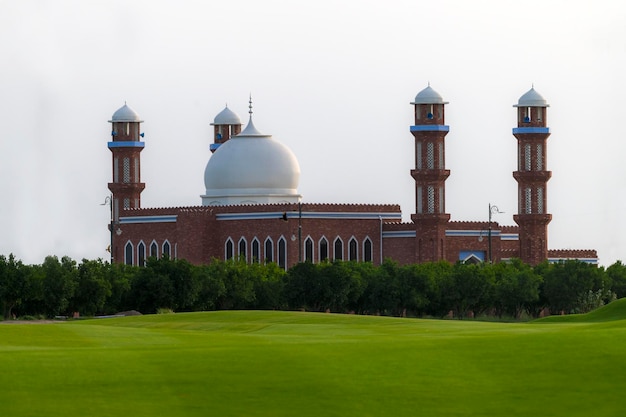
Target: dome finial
x,y
250,106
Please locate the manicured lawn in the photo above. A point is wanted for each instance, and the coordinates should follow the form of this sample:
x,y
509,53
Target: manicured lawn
x,y
258,363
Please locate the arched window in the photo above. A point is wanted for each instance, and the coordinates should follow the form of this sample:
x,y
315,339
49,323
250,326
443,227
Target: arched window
x,y
323,249
141,254
166,251
243,248
229,250
338,249
353,251
308,250
256,250
154,249
269,250
128,253
282,253
367,250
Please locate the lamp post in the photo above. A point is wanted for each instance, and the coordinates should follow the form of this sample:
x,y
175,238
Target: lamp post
x,y
299,231
109,200
492,210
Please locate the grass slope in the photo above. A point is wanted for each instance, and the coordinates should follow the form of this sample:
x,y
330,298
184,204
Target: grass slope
x,y
259,363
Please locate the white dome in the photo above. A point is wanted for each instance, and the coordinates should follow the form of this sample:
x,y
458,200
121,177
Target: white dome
x,y
428,96
251,168
226,117
532,99
125,114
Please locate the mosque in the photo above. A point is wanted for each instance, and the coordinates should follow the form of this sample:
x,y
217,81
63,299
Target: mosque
x,y
251,208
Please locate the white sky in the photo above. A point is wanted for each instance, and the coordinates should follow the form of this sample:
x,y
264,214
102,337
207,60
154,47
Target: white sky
x,y
332,80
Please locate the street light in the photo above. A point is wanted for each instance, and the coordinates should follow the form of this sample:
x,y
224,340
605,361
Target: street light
x,y
109,200
492,210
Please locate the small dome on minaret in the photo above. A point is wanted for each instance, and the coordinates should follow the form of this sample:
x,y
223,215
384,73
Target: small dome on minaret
x,y
125,114
532,99
428,96
226,117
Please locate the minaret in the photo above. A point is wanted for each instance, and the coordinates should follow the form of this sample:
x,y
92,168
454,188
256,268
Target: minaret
x,y
126,146
430,176
532,177
225,125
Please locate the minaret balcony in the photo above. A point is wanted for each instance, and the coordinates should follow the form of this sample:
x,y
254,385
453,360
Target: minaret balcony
x,y
532,219
430,175
532,176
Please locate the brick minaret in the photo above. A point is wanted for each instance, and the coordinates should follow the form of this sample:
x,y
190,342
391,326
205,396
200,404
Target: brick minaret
x,y
532,177
430,176
225,125
126,146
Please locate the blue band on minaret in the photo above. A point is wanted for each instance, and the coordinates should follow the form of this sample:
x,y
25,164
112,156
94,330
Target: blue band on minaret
x,y
126,144
531,130
430,128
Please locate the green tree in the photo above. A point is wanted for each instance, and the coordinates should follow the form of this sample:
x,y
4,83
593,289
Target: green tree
x,y
568,283
302,287
119,277
238,284
617,274
268,282
58,285
92,289
12,284
474,288
211,288
516,288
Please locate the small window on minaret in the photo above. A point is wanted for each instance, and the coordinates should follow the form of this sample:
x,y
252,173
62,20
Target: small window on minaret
x,y
127,129
540,200
419,200
431,199
441,200
441,163
126,171
418,156
539,113
528,196
539,161
527,157
430,155
430,113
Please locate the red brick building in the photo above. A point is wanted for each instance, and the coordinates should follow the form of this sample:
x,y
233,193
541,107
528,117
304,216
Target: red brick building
x,y
252,209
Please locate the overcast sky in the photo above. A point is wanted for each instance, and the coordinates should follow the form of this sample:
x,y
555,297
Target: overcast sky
x,y
333,81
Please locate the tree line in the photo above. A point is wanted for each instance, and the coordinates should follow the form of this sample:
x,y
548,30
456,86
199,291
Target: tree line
x,y
95,287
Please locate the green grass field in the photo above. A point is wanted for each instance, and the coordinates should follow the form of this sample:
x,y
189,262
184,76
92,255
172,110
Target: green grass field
x,y
259,363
